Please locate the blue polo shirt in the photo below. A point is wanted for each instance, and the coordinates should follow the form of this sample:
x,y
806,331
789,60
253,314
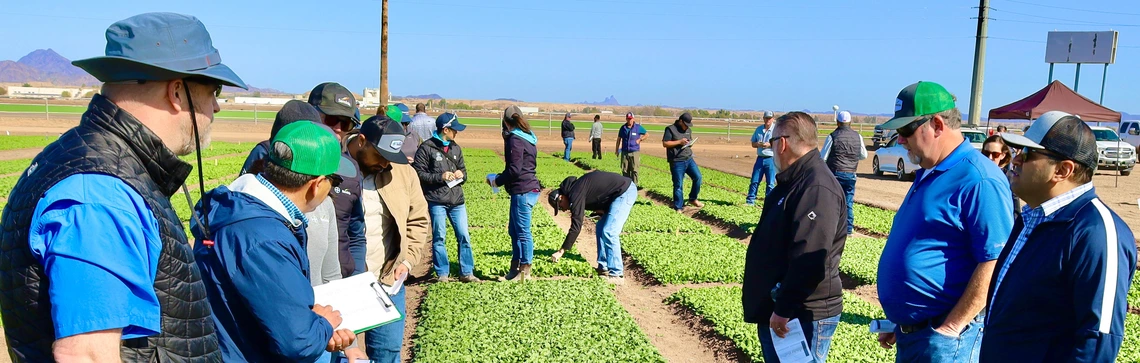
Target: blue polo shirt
x,y
954,217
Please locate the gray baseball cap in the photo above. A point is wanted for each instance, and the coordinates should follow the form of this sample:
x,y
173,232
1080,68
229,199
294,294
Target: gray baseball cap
x,y
769,114
332,99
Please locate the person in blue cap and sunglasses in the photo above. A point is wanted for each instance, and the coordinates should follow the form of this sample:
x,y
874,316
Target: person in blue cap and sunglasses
x,y
98,265
442,171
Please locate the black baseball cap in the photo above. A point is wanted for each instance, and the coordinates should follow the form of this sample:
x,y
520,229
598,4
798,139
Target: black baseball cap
x,y
686,118
563,188
293,111
917,100
1059,133
387,136
332,99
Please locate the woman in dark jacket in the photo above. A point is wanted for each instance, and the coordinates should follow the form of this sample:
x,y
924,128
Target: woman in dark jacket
x,y
519,180
439,164
997,151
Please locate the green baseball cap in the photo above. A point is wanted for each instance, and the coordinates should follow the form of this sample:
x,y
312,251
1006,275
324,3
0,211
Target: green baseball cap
x,y
917,100
314,148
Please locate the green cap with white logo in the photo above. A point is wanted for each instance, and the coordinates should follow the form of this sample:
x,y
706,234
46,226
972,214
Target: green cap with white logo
x,y
917,100
311,149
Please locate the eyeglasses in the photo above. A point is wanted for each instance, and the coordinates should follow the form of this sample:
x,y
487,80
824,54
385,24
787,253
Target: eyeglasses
x,y
209,83
334,179
345,123
1025,152
908,130
992,154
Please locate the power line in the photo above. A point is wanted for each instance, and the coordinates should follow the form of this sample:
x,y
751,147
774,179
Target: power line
x,y
1074,9
1065,20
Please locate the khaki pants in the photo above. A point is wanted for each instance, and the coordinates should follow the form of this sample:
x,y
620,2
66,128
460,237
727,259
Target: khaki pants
x,y
630,162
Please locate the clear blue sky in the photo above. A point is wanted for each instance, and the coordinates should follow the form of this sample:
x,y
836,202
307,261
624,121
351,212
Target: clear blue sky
x,y
716,54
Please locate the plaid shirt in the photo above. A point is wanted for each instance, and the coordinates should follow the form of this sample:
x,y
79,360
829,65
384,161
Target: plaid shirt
x,y
289,205
1031,218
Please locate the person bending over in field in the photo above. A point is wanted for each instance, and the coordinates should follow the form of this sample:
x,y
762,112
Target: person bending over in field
x,y
611,196
254,261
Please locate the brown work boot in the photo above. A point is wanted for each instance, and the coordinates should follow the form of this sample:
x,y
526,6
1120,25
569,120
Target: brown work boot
x,y
524,270
513,273
602,270
696,203
469,278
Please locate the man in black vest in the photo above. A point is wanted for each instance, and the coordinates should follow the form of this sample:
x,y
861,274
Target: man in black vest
x,y
677,141
842,150
96,263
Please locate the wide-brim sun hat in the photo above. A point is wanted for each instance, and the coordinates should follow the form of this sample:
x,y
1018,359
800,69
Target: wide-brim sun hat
x,y
159,47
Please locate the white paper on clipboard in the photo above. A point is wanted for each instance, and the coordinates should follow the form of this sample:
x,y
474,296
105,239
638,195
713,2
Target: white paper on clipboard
x,y
362,301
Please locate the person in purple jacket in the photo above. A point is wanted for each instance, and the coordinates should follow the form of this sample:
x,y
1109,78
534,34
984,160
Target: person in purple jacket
x,y
519,180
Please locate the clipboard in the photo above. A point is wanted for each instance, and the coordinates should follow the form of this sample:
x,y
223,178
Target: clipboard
x,y
363,302
691,142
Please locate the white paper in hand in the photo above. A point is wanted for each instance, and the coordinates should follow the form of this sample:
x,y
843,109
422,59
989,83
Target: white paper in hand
x,y
361,300
793,348
453,183
396,285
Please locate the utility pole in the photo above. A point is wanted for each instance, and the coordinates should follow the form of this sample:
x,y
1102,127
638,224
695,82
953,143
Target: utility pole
x,y
979,64
383,57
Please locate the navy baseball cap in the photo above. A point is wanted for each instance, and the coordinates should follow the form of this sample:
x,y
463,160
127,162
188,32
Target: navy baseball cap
x,y
387,136
293,111
146,47
448,120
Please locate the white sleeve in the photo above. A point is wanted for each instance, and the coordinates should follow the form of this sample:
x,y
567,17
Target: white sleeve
x,y
826,148
862,148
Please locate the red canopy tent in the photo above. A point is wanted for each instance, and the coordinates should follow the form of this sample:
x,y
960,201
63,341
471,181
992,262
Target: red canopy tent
x,y
1055,97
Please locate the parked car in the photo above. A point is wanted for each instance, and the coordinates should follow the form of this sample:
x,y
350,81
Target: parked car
x,y
976,138
880,137
893,158
1115,154
1130,132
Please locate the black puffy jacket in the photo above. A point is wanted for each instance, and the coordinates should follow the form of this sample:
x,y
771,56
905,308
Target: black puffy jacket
x,y
431,162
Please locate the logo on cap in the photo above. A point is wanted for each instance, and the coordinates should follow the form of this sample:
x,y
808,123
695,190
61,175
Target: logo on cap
x,y
396,144
898,104
344,101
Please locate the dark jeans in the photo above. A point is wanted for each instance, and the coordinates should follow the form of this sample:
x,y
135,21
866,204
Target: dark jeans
x,y
597,148
680,169
929,346
818,337
847,182
383,344
763,169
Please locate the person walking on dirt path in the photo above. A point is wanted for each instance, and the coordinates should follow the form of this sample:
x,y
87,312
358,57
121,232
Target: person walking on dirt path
x,y
1060,289
442,172
596,138
322,244
842,151
90,239
339,111
518,177
628,148
763,169
609,195
396,220
255,264
677,141
791,270
422,124
935,269
567,136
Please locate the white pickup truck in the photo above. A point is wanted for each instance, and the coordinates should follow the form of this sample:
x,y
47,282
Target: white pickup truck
x,y
1130,132
1113,152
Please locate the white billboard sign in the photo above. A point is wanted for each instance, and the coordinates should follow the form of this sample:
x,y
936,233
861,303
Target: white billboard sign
x,y
1081,47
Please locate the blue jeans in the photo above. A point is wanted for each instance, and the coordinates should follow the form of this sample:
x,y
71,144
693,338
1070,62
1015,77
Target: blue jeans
x,y
763,169
847,182
569,141
608,231
679,170
383,344
818,337
929,346
440,214
522,241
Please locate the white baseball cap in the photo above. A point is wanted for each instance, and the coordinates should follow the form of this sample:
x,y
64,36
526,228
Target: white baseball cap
x,y
844,116
1037,130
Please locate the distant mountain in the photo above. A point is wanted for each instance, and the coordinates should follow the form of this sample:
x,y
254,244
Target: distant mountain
x,y
252,89
1128,116
45,65
609,101
508,99
432,96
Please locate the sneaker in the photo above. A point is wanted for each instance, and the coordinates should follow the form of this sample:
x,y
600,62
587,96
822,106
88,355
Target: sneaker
x,y
556,256
750,204
696,203
443,278
602,270
469,278
616,280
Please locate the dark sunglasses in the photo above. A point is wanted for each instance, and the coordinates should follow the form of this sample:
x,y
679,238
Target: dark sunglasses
x,y
908,130
215,85
1025,152
345,123
990,154
335,180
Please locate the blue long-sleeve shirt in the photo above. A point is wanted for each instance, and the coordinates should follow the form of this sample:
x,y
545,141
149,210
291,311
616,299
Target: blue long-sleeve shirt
x,y
257,277
1063,296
